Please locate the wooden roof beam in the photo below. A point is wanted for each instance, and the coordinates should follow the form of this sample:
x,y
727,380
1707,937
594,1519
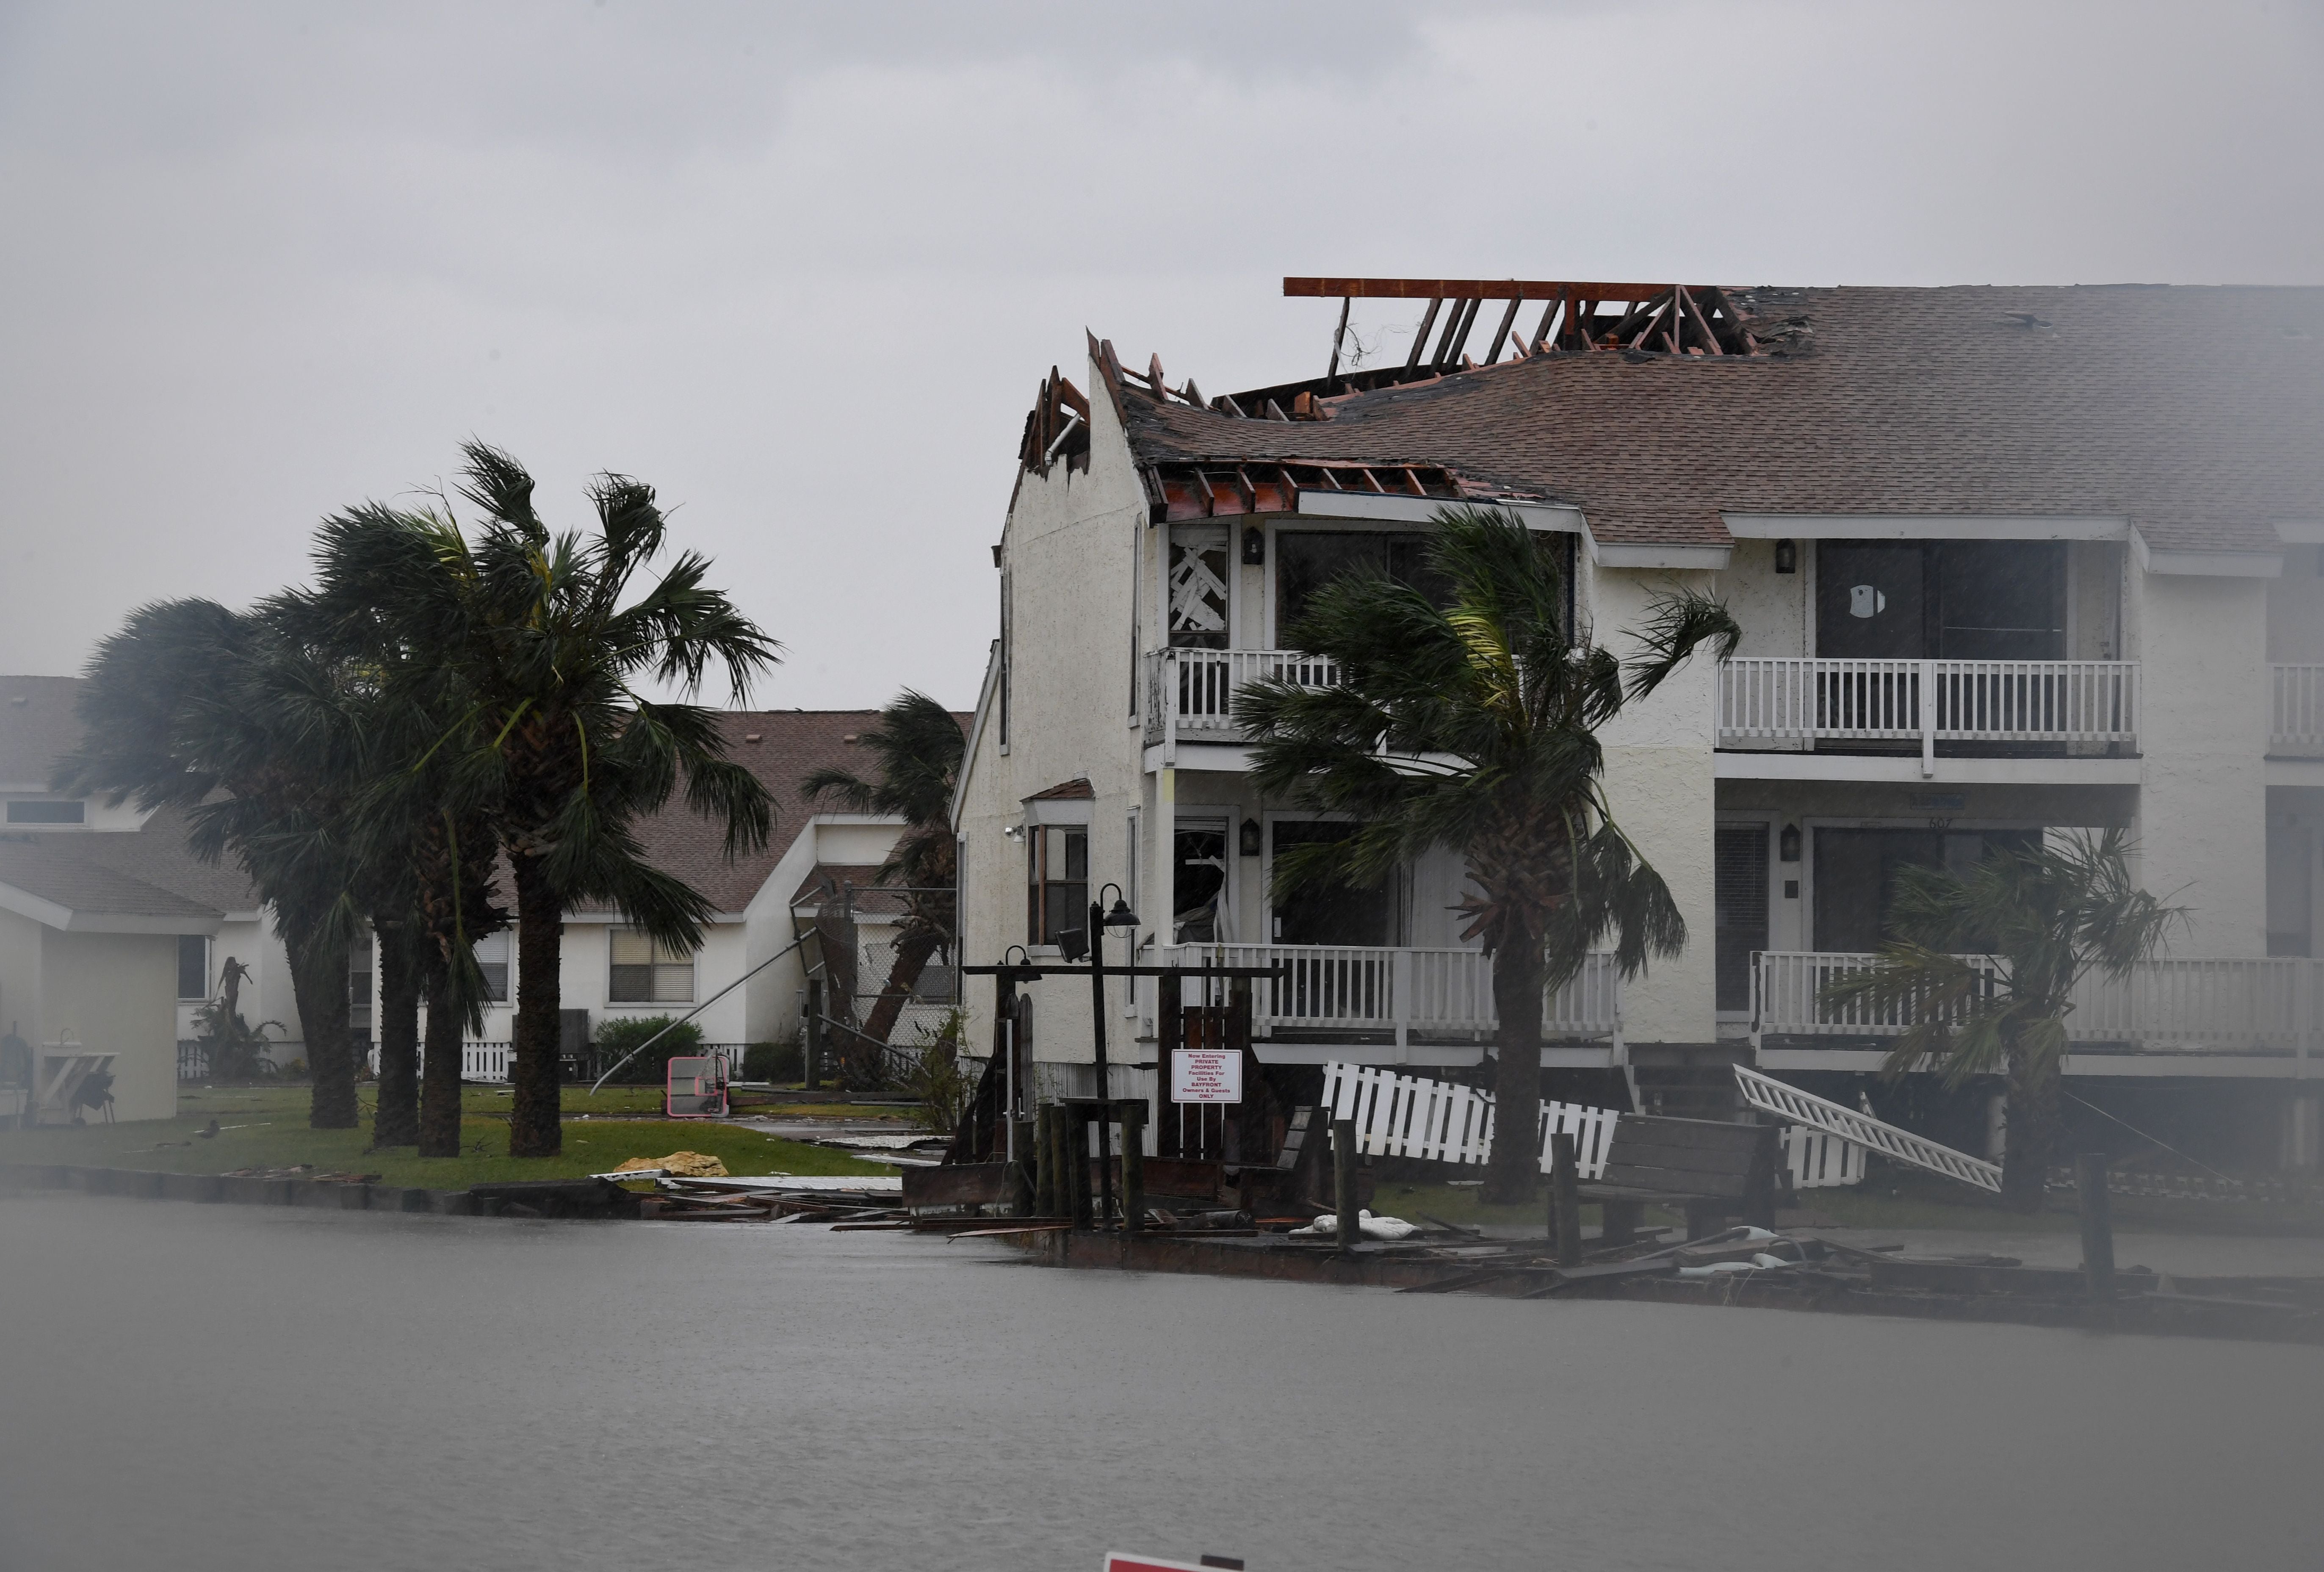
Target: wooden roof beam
x,y
1473,289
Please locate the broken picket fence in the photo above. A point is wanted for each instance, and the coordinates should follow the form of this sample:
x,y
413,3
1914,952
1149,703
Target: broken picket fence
x,y
1398,1115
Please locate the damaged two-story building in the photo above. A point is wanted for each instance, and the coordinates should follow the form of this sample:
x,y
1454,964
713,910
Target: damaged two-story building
x,y
2008,562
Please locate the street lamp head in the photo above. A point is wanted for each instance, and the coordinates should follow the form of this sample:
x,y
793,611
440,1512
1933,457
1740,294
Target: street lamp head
x,y
1073,944
1122,916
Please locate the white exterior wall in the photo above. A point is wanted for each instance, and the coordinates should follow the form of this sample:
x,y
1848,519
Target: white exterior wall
x,y
1068,547
1660,784
111,993
2202,812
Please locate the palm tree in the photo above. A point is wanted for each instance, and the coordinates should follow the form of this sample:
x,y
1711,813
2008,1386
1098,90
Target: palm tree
x,y
1472,726
2048,915
919,747
543,638
223,714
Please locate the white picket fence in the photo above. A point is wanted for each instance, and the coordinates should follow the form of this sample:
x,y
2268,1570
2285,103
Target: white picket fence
x,y
1398,1115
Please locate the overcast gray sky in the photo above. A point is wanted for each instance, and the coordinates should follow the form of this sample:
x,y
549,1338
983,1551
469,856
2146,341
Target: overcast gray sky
x,y
802,268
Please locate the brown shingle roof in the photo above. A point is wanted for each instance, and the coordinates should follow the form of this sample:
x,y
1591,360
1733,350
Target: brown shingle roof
x,y
156,855
792,744
1075,789
59,868
2194,411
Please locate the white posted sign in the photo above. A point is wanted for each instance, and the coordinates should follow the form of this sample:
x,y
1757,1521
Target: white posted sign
x,y
1206,1074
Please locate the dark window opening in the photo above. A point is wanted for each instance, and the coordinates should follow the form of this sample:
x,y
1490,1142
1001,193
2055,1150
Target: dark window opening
x,y
1305,561
47,812
1739,908
1941,600
1057,881
1334,913
193,965
1856,876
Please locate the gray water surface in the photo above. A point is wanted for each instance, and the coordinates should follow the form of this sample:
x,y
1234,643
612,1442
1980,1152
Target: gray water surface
x,y
197,1387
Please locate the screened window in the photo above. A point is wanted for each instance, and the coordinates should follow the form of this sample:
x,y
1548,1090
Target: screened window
x,y
1057,888
648,971
1740,908
492,960
47,812
193,965
1305,561
1941,600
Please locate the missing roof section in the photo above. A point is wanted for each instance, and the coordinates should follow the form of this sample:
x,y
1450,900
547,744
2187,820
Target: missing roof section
x,y
1056,427
1203,491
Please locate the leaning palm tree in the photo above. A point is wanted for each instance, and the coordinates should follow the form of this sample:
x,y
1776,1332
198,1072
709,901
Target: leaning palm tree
x,y
224,715
919,747
547,636
1473,725
1985,965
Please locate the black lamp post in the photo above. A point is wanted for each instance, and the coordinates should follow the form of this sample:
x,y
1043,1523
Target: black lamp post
x,y
1100,919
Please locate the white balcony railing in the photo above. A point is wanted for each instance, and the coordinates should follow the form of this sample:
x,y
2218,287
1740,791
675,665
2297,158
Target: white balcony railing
x,y
1368,989
2233,1005
1191,693
1783,701
2295,724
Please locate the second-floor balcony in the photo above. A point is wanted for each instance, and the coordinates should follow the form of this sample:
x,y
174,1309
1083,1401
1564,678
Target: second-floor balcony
x,y
1190,693
1789,702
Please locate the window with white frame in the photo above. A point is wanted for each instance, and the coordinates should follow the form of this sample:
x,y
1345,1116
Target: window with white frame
x,y
491,953
1057,886
193,967
649,971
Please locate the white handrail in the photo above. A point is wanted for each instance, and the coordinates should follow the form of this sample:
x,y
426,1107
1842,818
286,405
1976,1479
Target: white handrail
x,y
1789,700
1804,1108
2237,1004
1191,692
1401,989
2295,726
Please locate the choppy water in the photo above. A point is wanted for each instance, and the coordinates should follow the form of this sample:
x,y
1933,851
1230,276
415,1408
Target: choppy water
x,y
197,1387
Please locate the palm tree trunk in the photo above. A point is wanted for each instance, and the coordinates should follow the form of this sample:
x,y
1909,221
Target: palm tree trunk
x,y
439,1085
2035,1095
396,1122
1514,1170
319,983
535,1129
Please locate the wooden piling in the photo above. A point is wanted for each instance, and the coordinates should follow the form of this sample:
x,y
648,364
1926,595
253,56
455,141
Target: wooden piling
x,y
1044,1161
1343,1180
1565,1198
1073,1164
2097,1225
1132,1114
1021,1188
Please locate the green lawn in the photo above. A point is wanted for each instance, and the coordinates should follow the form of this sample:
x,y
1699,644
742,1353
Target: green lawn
x,y
266,1127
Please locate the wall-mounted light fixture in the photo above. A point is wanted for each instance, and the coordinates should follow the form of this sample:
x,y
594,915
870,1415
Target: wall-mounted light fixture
x,y
1787,557
1787,844
1254,547
1247,839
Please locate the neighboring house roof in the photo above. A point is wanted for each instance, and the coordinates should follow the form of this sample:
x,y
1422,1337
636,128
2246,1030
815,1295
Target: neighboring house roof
x,y
53,880
37,724
1078,789
2190,411
158,854
792,744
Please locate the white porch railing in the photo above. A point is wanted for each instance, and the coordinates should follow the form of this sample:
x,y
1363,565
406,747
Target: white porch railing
x,y
2295,724
1191,693
2173,1004
1771,702
1364,988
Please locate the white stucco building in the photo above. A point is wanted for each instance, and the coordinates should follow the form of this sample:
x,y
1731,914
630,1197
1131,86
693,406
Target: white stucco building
x,y
73,870
2008,562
